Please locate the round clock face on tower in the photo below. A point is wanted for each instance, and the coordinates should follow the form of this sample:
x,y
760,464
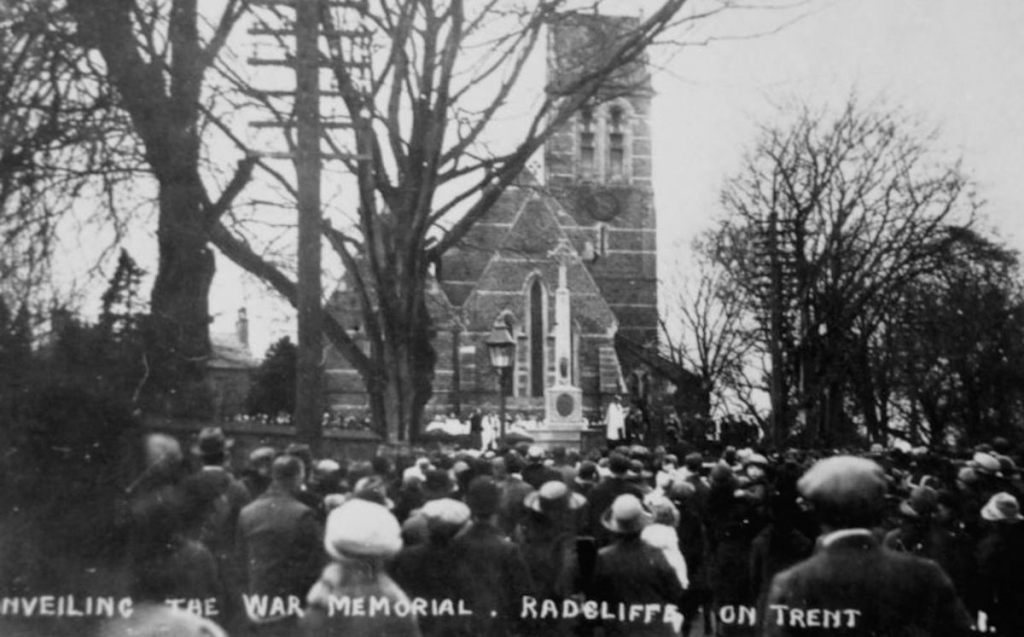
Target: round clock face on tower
x,y
603,205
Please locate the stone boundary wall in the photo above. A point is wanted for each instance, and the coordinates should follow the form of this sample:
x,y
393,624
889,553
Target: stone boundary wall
x,y
340,444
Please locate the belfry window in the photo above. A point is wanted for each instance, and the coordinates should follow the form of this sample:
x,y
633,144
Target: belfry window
x,y
588,147
616,142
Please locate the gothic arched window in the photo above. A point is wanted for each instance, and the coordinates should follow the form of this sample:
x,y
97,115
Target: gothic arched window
x,y
538,337
588,146
616,142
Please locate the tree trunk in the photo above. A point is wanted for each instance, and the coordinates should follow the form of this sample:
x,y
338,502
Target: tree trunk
x,y
408,357
178,337
163,100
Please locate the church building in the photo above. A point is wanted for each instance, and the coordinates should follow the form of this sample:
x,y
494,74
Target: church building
x,y
566,259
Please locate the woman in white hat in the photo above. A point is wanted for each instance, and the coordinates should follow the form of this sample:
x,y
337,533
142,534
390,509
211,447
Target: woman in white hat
x,y
1000,556
360,537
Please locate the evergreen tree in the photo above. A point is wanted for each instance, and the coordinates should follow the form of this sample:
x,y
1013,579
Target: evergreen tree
x,y
122,305
15,346
273,387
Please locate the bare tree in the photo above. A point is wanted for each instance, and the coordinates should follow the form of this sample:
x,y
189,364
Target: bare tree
x,y
156,56
950,363
58,142
708,332
830,218
437,88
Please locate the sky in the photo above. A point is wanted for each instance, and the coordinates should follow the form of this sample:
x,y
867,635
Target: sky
x,y
956,64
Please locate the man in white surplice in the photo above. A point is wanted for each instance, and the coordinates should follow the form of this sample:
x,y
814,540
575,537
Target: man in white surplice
x,y
615,421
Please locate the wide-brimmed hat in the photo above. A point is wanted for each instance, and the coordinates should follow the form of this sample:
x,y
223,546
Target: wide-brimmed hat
x,y
553,494
755,459
360,528
985,464
535,454
922,503
1002,507
626,515
211,441
265,454
326,466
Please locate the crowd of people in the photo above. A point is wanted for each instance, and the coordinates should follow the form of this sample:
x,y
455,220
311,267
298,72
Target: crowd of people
x,y
629,540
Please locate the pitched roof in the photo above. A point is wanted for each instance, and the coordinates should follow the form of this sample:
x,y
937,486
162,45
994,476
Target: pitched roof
x,y
230,353
523,250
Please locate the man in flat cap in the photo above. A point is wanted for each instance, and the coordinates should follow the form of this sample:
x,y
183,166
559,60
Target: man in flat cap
x,y
852,585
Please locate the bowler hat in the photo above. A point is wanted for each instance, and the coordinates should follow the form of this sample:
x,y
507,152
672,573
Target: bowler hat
x,y
437,483
626,515
212,441
618,463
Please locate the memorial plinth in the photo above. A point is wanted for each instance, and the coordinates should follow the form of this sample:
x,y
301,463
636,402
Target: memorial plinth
x,y
563,401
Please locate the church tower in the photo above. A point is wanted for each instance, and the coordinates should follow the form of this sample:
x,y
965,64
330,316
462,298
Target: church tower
x,y
599,167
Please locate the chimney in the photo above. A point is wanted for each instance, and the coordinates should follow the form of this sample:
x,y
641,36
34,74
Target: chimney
x,y
242,328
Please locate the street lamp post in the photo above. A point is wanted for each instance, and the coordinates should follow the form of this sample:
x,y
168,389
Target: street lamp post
x,y
502,348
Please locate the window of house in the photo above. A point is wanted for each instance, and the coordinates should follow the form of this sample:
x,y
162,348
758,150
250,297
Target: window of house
x,y
616,142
